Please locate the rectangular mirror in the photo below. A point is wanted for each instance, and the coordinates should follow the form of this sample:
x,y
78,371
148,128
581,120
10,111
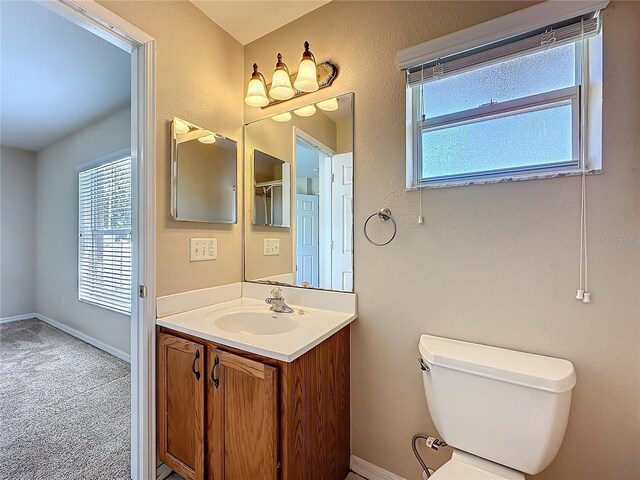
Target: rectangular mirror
x,y
299,197
203,175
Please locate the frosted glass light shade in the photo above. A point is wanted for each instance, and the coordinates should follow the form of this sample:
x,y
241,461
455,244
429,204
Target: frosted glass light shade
x,y
282,118
330,105
305,111
207,139
256,94
307,79
281,88
256,90
180,127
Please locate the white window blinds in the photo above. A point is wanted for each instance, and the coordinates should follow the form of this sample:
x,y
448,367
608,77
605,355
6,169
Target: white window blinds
x,y
104,253
554,35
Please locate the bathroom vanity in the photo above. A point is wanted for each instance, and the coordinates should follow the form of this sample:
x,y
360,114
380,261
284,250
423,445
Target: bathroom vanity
x,y
235,401
248,390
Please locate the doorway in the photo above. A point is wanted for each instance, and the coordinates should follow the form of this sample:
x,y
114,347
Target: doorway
x,y
140,241
324,215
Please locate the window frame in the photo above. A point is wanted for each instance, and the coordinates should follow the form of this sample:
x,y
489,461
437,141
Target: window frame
x,y
113,158
566,96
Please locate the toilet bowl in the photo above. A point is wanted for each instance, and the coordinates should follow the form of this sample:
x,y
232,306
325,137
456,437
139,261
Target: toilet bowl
x,y
503,412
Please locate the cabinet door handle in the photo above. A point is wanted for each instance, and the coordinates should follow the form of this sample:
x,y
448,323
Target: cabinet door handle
x,y
216,362
193,366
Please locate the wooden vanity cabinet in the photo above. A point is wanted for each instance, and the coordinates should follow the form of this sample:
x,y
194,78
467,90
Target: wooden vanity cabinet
x,y
242,418
261,418
181,403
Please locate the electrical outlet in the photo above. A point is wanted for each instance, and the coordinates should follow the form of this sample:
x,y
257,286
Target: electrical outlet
x,y
271,247
204,249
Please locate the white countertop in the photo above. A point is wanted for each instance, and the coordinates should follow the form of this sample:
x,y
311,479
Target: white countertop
x,y
314,326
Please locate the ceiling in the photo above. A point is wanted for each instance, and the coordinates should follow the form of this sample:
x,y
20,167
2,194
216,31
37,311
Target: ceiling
x,y
249,20
56,77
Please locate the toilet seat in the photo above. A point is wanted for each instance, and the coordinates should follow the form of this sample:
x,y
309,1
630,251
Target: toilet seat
x,y
464,466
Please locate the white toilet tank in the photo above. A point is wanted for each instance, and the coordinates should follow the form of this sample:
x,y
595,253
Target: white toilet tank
x,y
505,406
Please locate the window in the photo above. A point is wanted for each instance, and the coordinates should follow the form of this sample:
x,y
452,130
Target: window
x,y
512,109
104,247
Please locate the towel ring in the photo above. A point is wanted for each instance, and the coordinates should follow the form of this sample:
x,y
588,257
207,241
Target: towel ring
x,y
383,214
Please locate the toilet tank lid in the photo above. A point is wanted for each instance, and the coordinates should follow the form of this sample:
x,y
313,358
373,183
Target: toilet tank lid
x,y
527,369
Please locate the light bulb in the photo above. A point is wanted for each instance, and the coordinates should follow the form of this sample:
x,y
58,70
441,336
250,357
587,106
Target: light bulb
x,y
282,118
330,105
256,90
179,126
281,88
305,111
307,78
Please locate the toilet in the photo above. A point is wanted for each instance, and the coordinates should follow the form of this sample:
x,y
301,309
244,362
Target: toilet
x,y
503,412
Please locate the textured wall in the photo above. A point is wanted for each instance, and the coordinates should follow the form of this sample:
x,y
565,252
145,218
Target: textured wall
x,y
199,78
17,230
56,243
495,264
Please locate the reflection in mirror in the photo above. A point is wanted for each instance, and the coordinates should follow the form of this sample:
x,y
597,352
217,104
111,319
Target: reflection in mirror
x,y
272,184
203,180
299,175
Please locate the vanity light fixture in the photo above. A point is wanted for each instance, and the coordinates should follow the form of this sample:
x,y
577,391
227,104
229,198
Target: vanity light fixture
x,y
207,139
306,111
330,105
307,79
256,90
311,77
282,118
281,88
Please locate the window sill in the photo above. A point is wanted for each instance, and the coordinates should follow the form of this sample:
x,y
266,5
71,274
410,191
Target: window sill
x,y
502,179
104,307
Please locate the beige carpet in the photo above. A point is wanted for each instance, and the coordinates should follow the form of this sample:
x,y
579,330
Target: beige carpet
x,y
64,407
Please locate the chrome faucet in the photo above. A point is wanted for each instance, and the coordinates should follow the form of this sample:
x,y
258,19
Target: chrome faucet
x,y
277,302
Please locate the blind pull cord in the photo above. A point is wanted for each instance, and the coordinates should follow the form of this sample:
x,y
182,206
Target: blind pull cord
x,y
422,117
583,293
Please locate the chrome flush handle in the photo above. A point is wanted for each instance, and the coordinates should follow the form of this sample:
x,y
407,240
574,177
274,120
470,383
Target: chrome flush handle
x,y
424,366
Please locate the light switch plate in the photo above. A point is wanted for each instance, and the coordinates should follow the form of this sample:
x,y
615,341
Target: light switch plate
x,y
271,246
204,249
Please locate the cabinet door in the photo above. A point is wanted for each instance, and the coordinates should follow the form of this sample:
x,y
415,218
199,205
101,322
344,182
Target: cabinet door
x,y
242,430
181,382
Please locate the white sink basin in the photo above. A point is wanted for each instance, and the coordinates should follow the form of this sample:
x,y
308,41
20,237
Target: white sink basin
x,y
255,321
247,324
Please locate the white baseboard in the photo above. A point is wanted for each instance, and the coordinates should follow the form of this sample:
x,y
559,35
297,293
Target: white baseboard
x,y
84,337
15,318
371,471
